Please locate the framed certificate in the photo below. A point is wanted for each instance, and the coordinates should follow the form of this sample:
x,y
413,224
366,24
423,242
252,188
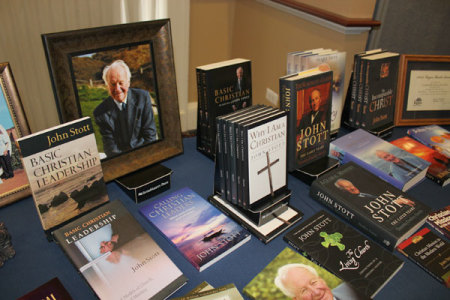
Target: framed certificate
x,y
423,95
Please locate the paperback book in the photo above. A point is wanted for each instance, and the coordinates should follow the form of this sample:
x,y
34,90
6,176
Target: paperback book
x,y
392,164
439,169
52,290
202,233
433,136
440,221
223,87
430,252
371,204
117,257
226,292
306,97
63,167
345,252
288,276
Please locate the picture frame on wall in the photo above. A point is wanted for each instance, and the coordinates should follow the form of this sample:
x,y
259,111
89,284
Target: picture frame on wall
x,y
13,125
147,130
423,94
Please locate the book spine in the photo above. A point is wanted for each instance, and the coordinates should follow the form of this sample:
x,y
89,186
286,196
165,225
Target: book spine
x,y
232,162
219,158
354,90
237,134
207,115
336,204
245,171
288,103
360,93
200,111
226,159
365,97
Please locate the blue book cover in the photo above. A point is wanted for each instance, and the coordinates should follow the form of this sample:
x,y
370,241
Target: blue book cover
x,y
201,232
391,163
433,136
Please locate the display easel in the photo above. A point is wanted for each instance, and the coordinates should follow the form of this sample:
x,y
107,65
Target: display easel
x,y
315,169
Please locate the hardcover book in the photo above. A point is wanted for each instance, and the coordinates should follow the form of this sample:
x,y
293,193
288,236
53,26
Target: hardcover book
x,y
52,290
371,204
439,169
63,167
225,86
430,252
226,292
345,252
440,220
306,97
202,233
392,164
379,91
433,136
117,257
292,276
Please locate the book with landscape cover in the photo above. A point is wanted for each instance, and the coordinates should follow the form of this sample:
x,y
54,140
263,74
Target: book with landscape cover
x,y
306,97
379,91
391,163
226,86
290,275
51,290
202,233
344,252
63,167
117,257
440,220
226,292
439,170
433,136
371,204
430,252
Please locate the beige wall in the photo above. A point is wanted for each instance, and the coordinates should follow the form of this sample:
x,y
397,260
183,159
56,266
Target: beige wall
x,y
223,30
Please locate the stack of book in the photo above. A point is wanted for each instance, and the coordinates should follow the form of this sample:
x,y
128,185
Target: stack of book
x,y
372,90
222,87
300,61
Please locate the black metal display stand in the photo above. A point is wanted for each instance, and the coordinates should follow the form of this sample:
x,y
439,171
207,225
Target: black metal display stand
x,y
315,169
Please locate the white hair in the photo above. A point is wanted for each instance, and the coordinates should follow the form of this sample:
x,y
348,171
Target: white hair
x,y
282,274
116,63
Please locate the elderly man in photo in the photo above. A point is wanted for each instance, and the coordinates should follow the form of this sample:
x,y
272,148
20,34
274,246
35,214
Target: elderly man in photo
x,y
125,118
7,170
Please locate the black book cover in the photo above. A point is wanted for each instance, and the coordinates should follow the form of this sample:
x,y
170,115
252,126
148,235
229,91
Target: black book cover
x,y
52,289
430,252
345,252
374,206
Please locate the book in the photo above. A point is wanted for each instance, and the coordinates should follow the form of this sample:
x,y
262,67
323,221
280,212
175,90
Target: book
x,y
344,252
440,221
225,86
306,97
117,257
277,223
202,233
52,289
433,136
369,203
202,287
430,252
379,92
63,167
439,169
392,164
226,292
288,276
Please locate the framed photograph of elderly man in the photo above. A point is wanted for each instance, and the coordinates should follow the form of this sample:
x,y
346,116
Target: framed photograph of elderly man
x,y
123,77
13,124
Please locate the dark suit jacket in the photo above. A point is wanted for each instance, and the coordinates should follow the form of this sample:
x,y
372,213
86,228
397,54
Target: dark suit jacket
x,y
306,120
140,129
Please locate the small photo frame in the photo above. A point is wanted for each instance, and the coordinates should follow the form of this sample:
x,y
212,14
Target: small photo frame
x,y
93,70
13,125
423,92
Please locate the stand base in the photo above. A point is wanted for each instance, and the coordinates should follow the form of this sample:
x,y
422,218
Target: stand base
x,y
384,131
146,183
314,170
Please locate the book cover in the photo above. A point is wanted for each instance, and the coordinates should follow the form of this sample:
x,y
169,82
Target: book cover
x,y
380,89
63,167
433,136
52,290
371,204
226,292
440,220
117,257
202,287
439,169
336,62
290,275
202,233
392,164
227,87
430,252
345,252
306,97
